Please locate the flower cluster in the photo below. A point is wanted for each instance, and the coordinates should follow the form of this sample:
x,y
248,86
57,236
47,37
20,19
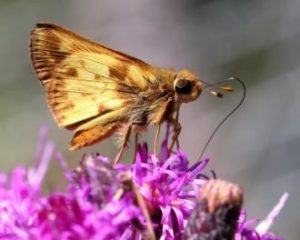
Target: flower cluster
x,y
153,198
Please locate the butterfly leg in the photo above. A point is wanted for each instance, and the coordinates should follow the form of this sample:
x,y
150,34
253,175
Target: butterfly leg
x,y
124,144
136,145
156,140
177,144
177,130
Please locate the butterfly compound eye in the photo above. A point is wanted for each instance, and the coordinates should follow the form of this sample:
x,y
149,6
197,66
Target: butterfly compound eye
x,y
183,86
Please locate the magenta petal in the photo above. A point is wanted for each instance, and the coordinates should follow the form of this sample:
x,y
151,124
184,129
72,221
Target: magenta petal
x,y
263,227
197,168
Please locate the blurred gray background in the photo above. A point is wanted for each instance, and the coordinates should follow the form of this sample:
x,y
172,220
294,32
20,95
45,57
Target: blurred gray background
x,y
258,41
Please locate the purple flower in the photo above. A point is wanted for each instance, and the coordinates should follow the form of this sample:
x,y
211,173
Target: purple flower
x,y
153,198
169,187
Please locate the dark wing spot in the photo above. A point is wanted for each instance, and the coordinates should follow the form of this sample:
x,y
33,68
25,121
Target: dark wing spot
x,y
72,72
52,43
118,72
97,76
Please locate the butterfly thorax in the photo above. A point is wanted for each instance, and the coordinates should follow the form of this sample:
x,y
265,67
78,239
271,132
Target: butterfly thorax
x,y
156,103
162,99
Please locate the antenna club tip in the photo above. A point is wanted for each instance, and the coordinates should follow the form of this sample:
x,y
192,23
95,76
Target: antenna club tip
x,y
219,95
216,94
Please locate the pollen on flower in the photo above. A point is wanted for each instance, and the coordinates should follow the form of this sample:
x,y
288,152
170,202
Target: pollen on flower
x,y
160,197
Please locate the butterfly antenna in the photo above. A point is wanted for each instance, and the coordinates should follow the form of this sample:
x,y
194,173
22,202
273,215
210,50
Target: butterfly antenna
x,y
220,95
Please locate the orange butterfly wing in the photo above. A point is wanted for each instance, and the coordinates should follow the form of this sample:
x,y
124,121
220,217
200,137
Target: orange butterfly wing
x,y
90,88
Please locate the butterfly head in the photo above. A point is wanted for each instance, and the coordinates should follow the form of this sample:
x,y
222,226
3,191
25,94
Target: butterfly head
x,y
187,86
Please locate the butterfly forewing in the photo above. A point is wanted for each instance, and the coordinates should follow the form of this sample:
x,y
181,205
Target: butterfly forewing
x,y
90,88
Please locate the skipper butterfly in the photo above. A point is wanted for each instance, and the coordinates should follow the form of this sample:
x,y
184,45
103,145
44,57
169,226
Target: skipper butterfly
x,y
96,91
